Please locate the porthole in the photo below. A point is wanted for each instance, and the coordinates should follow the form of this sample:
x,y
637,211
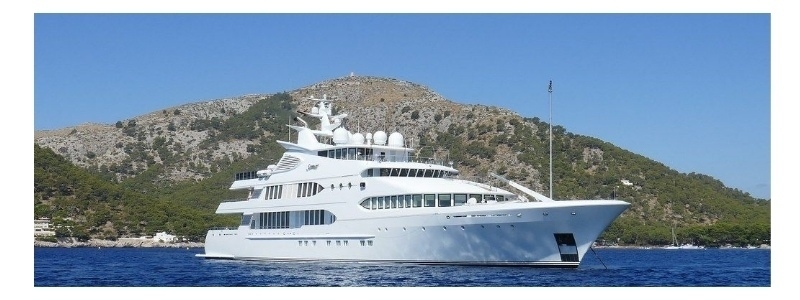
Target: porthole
x,y
462,227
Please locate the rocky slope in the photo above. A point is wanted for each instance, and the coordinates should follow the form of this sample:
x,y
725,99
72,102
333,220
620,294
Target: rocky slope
x,y
373,104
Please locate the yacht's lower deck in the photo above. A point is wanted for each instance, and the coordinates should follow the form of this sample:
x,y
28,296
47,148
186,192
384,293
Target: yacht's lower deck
x,y
533,236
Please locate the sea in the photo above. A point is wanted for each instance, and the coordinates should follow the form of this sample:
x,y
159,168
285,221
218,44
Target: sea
x,y
605,267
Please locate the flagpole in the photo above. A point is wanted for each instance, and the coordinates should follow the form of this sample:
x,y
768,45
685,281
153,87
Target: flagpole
x,y
550,91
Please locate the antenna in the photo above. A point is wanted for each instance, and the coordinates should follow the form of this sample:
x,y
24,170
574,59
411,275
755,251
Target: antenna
x,y
550,91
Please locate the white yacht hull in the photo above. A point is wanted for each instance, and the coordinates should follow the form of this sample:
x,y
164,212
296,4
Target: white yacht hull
x,y
519,234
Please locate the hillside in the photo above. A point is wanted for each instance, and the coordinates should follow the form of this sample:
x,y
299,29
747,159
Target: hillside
x,y
186,156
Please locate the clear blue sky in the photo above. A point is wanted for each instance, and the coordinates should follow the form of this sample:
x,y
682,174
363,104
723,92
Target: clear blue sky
x,y
691,91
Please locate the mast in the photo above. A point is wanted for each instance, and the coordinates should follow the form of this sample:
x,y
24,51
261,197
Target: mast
x,y
550,91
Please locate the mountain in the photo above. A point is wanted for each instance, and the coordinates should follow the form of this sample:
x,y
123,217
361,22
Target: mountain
x,y
184,157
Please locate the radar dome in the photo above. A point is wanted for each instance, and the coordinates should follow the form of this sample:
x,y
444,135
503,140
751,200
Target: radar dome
x,y
357,139
395,139
380,138
340,136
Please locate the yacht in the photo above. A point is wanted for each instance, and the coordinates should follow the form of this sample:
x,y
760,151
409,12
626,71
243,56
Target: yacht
x,y
340,196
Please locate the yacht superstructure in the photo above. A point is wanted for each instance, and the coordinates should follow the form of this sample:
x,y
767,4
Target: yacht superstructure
x,y
367,198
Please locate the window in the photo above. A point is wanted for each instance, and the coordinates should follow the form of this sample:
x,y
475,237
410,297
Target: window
x,y
430,200
254,194
408,201
338,153
273,192
417,200
365,203
394,201
444,200
403,172
428,173
380,202
274,220
459,199
245,220
385,171
478,197
317,217
395,172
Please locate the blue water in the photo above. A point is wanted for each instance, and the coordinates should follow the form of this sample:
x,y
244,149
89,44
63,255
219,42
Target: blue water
x,y
169,267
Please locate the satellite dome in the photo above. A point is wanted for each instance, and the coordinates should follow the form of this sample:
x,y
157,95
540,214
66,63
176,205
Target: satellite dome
x,y
357,139
315,110
396,139
340,136
369,138
380,137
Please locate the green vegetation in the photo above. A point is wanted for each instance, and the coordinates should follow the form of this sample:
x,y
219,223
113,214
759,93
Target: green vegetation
x,y
134,196
91,204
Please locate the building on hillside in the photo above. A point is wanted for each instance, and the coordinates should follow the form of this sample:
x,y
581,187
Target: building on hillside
x,y
164,237
41,227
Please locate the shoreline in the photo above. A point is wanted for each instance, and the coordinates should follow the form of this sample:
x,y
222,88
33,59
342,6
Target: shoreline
x,y
126,243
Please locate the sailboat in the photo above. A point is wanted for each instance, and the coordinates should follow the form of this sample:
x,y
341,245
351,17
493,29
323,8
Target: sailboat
x,y
675,244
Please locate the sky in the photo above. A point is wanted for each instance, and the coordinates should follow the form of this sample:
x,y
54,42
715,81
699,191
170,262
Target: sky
x,y
695,86
691,91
